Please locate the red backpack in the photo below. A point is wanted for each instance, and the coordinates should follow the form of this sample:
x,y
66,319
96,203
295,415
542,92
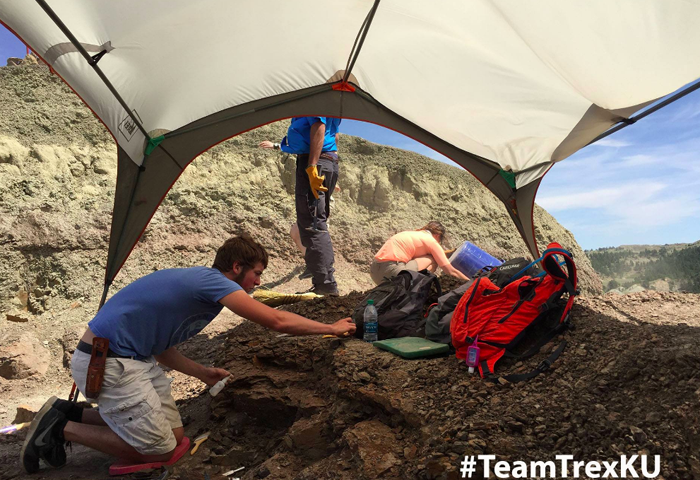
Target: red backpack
x,y
503,317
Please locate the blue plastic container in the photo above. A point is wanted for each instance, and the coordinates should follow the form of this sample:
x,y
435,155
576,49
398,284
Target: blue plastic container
x,y
470,259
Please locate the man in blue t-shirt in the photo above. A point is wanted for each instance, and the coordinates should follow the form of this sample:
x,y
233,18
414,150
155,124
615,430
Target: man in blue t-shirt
x,y
313,141
137,418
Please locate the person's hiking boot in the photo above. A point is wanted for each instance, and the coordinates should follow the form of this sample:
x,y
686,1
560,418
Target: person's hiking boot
x,y
305,274
323,291
45,439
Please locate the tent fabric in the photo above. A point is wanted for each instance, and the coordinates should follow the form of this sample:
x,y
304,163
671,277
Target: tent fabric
x,y
492,84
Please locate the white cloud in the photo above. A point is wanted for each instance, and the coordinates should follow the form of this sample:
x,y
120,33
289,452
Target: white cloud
x,y
611,142
686,112
605,198
656,212
640,206
638,161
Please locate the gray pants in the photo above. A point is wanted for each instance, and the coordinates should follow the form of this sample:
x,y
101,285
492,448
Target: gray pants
x,y
381,271
319,248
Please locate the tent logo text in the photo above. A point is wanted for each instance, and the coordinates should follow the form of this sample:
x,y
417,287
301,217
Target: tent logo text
x,y
127,127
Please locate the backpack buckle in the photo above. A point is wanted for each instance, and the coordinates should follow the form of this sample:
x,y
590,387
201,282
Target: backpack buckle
x,y
544,365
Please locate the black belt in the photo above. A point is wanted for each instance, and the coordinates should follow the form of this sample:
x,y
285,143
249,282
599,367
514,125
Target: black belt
x,y
332,156
87,348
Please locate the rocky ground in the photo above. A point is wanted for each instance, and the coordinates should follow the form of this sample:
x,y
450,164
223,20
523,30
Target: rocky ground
x,y
309,408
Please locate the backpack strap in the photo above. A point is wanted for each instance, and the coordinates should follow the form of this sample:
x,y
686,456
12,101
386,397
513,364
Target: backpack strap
x,y
474,288
552,249
544,340
570,278
543,366
436,282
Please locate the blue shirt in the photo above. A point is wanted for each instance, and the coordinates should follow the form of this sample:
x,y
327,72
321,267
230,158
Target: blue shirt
x,y
299,134
161,310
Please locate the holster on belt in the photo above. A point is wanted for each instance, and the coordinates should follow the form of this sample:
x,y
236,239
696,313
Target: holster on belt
x,y
96,368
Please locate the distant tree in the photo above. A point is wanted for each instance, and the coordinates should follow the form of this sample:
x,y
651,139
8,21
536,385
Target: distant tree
x,y
613,284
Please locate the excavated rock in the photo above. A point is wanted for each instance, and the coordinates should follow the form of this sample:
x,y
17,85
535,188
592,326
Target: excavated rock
x,y
340,408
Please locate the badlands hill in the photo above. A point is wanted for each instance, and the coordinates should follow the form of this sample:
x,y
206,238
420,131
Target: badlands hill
x,y
57,177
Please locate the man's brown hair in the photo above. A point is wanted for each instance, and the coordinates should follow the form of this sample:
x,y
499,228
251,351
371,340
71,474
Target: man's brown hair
x,y
436,228
242,249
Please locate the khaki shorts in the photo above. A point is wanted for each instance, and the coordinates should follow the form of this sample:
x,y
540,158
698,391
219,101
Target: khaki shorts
x,y
379,271
135,402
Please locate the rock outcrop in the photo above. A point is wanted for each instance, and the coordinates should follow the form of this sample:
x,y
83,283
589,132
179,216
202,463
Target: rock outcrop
x,y
57,178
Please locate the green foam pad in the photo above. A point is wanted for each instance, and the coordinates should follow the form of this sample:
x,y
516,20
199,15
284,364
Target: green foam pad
x,y
412,347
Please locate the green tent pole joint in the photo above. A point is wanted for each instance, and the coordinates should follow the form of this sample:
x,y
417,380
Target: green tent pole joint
x,y
152,144
509,177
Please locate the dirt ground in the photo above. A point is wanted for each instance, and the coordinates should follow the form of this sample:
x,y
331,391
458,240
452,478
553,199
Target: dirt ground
x,y
310,408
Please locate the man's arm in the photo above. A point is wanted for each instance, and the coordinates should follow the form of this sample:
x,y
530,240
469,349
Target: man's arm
x,y
317,134
172,358
241,304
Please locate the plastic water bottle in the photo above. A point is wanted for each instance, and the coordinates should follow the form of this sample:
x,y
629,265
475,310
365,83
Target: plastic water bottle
x,y
371,325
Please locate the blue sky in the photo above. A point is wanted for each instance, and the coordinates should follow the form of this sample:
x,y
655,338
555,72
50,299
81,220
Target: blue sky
x,y
639,186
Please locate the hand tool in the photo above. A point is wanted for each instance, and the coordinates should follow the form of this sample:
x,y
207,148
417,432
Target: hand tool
x,y
198,441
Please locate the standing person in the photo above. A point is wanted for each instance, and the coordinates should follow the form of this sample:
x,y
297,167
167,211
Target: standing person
x,y
137,418
413,250
313,141
296,237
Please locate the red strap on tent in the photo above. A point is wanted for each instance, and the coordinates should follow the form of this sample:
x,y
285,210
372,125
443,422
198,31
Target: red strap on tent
x,y
343,87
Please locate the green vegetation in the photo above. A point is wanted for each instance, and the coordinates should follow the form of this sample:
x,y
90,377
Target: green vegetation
x,y
625,266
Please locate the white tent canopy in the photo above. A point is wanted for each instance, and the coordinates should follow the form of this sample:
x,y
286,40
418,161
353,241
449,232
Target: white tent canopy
x,y
505,88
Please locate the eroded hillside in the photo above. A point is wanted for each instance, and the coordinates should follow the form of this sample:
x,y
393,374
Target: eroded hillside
x,y
57,177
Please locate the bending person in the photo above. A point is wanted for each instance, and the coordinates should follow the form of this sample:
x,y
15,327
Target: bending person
x,y
137,418
413,250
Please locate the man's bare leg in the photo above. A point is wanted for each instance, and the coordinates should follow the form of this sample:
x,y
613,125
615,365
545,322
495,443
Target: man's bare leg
x,y
103,439
91,416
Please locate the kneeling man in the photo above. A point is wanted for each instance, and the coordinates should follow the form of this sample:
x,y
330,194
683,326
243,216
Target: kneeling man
x,y
137,419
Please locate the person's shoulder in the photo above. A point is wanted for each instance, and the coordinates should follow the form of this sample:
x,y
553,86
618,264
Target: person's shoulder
x,y
206,272
209,279
425,236
414,233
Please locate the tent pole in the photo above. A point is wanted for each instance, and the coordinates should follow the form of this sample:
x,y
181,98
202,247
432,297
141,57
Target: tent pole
x,y
629,121
104,295
92,61
361,35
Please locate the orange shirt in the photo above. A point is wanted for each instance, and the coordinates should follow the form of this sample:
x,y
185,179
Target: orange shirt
x,y
405,246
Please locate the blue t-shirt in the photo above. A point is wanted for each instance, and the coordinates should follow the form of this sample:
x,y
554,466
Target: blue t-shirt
x,y
161,310
299,133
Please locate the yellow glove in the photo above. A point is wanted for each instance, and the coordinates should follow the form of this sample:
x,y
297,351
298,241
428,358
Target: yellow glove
x,y
315,181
